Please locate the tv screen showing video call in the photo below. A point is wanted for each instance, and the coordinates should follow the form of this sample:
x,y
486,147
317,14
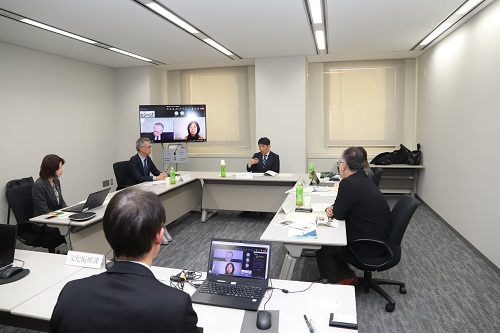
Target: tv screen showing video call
x,y
173,123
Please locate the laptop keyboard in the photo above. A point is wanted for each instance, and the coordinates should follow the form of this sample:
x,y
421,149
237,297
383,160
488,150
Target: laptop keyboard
x,y
230,290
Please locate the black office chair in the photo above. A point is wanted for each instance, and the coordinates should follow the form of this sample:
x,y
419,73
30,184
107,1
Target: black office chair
x,y
122,174
371,255
377,175
32,234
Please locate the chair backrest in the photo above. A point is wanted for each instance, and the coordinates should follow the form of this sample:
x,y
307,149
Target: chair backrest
x,y
122,174
401,215
377,175
20,201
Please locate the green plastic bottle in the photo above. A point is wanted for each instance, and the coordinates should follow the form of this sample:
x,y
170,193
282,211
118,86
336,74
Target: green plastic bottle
x,y
311,169
172,175
299,194
222,168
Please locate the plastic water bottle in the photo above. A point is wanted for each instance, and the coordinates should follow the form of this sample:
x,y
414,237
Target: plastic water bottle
x,y
311,169
172,175
222,168
299,194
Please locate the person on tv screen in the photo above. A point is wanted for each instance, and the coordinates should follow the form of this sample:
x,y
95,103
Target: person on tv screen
x,y
127,297
158,135
193,129
265,159
229,268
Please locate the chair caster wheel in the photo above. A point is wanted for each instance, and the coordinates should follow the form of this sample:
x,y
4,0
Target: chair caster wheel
x,y
402,290
389,307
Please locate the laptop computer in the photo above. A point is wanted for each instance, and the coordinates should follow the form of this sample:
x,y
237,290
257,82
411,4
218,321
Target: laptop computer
x,y
239,272
8,235
94,200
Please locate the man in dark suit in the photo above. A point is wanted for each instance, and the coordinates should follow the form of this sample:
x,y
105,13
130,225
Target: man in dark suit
x,y
141,165
265,159
127,297
158,135
363,207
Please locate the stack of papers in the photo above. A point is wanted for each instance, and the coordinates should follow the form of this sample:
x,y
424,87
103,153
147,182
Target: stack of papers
x,y
303,225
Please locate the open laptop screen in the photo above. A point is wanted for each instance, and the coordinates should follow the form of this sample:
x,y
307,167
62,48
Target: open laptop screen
x,y
239,258
7,244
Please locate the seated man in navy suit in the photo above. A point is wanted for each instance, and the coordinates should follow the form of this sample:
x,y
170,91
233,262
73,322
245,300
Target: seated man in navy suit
x,y
141,165
265,159
127,297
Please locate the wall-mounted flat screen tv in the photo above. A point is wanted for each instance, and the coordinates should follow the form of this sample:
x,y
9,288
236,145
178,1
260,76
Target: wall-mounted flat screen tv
x,y
173,123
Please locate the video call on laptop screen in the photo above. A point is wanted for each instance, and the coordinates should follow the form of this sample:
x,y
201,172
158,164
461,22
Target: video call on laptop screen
x,y
249,260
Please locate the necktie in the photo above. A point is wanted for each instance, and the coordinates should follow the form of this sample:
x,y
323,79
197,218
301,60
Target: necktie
x,y
145,168
264,159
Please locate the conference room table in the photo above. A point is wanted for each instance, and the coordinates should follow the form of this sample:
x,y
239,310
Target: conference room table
x,y
34,308
87,236
208,190
253,192
326,235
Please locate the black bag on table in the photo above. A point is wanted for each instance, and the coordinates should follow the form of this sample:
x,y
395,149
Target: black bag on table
x,y
401,156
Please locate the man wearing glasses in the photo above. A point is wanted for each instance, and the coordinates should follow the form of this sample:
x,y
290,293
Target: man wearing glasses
x,y
141,165
363,207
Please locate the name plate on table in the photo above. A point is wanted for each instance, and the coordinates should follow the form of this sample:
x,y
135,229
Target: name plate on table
x,y
244,175
84,259
186,178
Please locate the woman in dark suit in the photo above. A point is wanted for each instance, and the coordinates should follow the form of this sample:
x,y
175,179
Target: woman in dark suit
x,y
46,192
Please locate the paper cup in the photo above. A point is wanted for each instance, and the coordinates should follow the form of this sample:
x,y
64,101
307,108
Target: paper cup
x,y
307,201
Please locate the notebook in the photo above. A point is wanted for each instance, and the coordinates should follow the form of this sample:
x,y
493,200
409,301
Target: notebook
x,y
8,235
94,200
239,270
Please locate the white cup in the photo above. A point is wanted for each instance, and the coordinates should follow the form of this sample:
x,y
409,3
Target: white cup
x,y
307,201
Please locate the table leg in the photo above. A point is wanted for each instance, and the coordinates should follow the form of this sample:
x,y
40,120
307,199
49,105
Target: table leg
x,y
207,215
288,266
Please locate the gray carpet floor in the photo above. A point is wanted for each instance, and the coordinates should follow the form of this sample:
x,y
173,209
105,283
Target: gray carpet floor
x,y
450,287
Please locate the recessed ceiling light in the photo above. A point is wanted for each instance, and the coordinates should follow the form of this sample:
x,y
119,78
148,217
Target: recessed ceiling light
x,y
172,17
129,54
57,31
217,46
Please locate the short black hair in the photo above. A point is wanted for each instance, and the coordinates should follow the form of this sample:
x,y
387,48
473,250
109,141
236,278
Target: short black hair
x,y
131,221
197,126
354,158
264,141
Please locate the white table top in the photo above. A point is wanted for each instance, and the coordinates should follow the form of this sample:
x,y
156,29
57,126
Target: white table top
x,y
326,235
46,269
317,303
157,187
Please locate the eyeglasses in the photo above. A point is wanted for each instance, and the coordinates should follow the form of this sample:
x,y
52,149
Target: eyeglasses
x,y
147,147
339,163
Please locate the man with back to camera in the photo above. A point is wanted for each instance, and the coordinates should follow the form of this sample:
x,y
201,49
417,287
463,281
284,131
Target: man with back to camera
x,y
127,297
265,159
140,167
363,207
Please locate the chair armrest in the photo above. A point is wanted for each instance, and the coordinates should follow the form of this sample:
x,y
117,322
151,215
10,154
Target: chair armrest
x,y
375,245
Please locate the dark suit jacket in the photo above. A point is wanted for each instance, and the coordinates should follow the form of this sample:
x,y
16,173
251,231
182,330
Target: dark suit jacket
x,y
273,163
126,298
363,207
44,198
137,169
165,137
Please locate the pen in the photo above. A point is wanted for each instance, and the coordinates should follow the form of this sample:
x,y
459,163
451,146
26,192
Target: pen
x,y
312,325
308,324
